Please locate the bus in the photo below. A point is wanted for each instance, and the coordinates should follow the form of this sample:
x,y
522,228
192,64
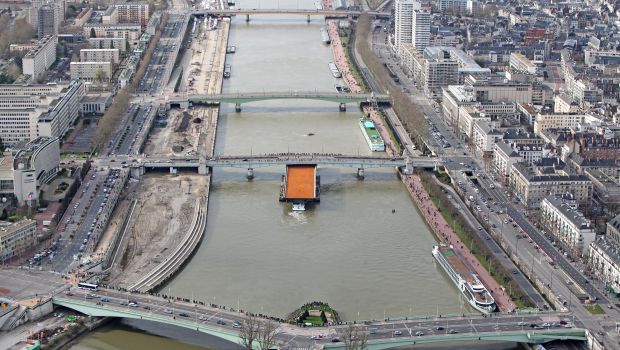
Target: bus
x,y
89,286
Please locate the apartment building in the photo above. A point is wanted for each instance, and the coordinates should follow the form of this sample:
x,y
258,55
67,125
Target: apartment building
x,y
131,32
133,12
47,23
556,121
522,64
431,69
16,238
612,230
458,6
604,258
108,43
561,218
504,156
63,111
100,55
530,186
421,27
38,60
403,22
88,71
484,137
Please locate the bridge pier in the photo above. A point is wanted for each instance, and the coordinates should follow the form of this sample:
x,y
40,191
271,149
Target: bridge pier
x,y
360,173
250,174
237,107
343,107
409,168
136,172
247,17
203,169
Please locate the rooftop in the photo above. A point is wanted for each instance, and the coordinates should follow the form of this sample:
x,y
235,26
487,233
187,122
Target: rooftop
x,y
609,248
568,208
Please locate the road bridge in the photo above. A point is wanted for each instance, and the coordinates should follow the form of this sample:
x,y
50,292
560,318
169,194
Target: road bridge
x,y
246,97
327,13
219,322
140,165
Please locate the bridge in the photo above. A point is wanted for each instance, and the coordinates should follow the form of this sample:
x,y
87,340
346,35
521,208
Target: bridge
x,y
246,97
140,165
219,322
299,12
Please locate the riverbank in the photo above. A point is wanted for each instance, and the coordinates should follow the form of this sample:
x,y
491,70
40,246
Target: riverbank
x,y
429,211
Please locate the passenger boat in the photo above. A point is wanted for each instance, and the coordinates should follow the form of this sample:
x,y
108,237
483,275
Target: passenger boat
x,y
334,69
227,71
466,281
231,49
373,138
325,36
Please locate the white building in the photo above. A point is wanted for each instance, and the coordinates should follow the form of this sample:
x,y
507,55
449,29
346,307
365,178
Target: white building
x,y
522,64
604,257
16,238
403,22
100,55
34,164
421,28
503,159
562,219
131,32
108,43
63,112
557,121
88,70
459,6
38,60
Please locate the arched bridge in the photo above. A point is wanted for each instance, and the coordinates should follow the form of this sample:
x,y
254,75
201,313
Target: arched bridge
x,y
246,97
220,323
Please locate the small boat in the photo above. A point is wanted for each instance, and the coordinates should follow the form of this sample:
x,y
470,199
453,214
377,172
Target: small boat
x,y
334,69
299,206
231,49
342,88
227,71
310,134
325,36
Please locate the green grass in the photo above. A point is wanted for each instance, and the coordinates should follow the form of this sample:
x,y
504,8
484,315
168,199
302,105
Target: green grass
x,y
315,320
595,309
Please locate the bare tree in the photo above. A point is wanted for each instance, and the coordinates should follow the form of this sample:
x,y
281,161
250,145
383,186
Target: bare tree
x,y
267,334
248,333
354,338
22,31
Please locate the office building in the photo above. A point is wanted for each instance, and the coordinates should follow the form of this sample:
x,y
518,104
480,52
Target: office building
x,y
403,22
34,163
457,6
100,55
88,71
47,24
421,28
133,12
63,111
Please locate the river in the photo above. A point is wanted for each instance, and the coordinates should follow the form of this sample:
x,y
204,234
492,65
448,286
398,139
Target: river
x,y
364,248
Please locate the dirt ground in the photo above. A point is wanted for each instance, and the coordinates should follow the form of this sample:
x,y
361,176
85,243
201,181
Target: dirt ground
x,y
162,216
179,136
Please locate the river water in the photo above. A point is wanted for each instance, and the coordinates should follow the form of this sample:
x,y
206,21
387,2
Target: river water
x,y
350,250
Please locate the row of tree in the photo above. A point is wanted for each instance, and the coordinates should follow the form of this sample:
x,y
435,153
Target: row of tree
x,y
20,31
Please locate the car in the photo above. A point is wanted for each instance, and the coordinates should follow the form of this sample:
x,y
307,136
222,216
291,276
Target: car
x,y
453,331
439,328
168,311
104,300
183,314
146,307
522,323
69,294
397,332
419,333
314,337
236,324
335,340
221,322
546,324
515,271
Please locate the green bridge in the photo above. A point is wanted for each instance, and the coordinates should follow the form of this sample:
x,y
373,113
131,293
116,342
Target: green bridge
x,y
246,97
92,308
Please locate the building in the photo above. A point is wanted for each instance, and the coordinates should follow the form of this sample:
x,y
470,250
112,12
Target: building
x,y
110,16
604,260
108,43
530,185
47,24
16,238
562,219
100,55
34,163
89,71
131,32
403,22
612,230
522,64
421,28
95,104
606,190
431,69
38,60
63,111
458,6
133,12
484,137
557,121
504,156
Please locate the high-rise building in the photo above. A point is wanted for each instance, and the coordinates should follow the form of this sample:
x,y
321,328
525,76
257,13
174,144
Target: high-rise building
x,y
403,22
46,21
421,28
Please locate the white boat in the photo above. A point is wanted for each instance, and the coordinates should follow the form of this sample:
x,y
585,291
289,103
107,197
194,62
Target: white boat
x,y
334,69
371,135
299,206
467,282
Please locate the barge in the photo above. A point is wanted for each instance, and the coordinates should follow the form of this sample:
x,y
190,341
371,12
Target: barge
x,y
334,69
371,134
325,36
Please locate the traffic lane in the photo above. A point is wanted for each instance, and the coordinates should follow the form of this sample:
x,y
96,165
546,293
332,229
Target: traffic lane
x,y
558,258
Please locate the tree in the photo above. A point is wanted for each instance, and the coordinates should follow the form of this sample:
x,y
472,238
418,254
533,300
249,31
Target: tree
x,y
22,31
100,76
266,334
248,333
354,338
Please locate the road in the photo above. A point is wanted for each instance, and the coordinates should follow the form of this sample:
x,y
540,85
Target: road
x,y
289,335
